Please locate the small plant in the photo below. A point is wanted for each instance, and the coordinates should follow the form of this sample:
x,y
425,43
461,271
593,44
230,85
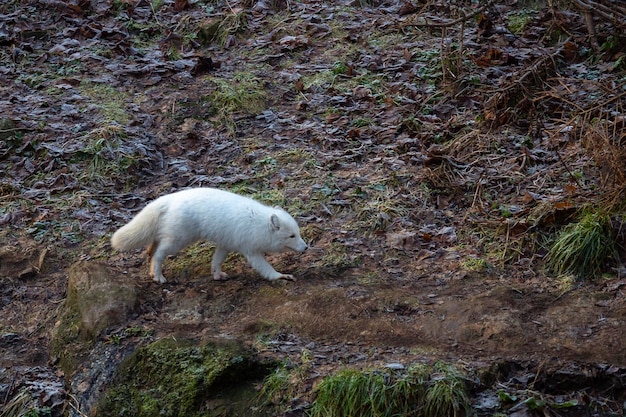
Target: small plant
x,y
519,21
337,259
351,393
476,264
111,102
244,93
277,388
582,248
220,30
417,392
339,68
379,212
282,386
107,155
447,394
23,405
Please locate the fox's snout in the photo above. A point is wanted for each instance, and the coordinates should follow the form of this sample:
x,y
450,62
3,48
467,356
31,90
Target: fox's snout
x,y
300,246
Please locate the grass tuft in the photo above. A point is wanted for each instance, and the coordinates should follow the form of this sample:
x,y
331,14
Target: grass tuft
x,y
23,405
244,93
583,248
447,394
421,391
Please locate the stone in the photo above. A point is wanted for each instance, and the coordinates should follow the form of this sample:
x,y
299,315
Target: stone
x,y
102,298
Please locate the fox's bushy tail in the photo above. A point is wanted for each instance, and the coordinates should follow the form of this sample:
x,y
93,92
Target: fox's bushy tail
x,y
140,231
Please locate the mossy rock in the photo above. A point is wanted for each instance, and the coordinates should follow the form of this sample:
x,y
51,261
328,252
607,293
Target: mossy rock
x,y
96,299
173,377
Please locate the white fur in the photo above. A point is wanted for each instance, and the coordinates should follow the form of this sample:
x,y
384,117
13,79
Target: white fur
x,y
235,223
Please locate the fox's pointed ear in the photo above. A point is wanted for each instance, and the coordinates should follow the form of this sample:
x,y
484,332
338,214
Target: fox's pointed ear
x,y
275,222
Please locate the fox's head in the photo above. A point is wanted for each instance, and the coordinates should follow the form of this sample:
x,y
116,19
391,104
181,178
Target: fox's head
x,y
285,232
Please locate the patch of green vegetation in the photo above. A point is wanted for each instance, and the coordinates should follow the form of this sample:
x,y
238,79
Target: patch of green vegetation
x,y
475,264
107,156
584,247
447,393
23,405
195,260
380,209
219,30
299,156
336,259
111,102
283,385
430,69
271,197
265,166
33,80
144,34
65,342
55,229
535,401
504,211
370,278
243,93
265,330
339,68
384,40
361,122
278,389
519,20
179,378
267,196
155,5
130,332
326,190
420,391
321,79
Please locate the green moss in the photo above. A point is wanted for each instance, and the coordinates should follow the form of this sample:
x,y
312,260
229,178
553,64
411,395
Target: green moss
x,y
178,378
519,21
66,344
192,261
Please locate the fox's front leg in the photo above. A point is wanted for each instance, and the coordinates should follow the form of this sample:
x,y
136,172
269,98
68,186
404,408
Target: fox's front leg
x,y
260,264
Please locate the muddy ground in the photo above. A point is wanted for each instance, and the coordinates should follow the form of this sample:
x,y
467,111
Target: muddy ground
x,y
428,188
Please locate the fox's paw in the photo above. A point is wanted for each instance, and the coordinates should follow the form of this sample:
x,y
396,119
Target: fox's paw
x,y
286,277
160,279
220,276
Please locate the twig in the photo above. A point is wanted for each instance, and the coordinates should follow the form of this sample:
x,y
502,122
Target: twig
x,y
17,129
75,407
448,23
502,95
614,14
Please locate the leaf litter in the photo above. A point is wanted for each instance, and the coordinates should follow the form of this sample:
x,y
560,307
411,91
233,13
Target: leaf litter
x,y
430,152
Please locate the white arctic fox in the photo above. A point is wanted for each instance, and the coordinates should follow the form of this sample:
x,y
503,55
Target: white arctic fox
x,y
235,223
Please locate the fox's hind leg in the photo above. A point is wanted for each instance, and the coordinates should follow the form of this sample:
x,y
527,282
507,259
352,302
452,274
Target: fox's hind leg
x,y
157,252
216,264
151,249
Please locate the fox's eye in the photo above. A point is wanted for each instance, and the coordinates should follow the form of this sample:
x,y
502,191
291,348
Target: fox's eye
x,y
292,236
